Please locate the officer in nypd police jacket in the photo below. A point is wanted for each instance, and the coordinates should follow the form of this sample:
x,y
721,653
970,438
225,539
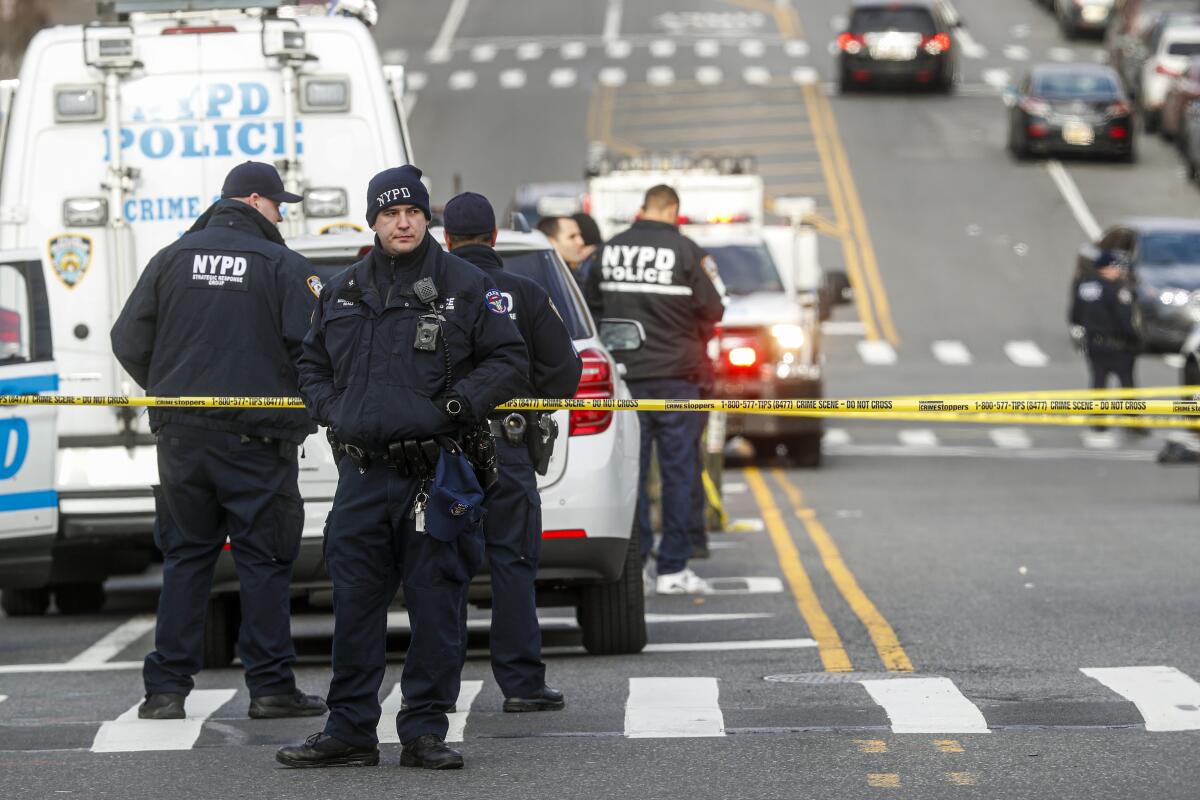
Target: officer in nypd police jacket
x,y
408,349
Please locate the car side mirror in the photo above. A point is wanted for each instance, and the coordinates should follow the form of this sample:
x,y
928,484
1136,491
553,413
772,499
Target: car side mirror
x,y
621,335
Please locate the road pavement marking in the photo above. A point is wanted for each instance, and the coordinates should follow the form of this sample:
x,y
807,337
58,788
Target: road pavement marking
x,y
662,48
3,697
756,76
1062,54
482,53
612,21
751,585
829,643
112,643
887,644
735,487
713,647
970,47
467,693
707,48
806,76
1099,440
462,79
416,81
836,436
1070,192
950,351
709,75
926,705
386,728
673,708
128,734
871,746
1174,360
948,746
917,437
1010,438
883,780
997,78
747,525
796,48
1167,699
33,669
439,53
752,48
563,78
395,55
660,76
840,328
1016,52
1025,353
877,352
572,51
618,49
612,76
962,778
512,78
529,51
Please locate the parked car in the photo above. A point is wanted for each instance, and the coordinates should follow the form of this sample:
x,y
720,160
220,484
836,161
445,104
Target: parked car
x,y
1170,48
1071,108
1134,24
1184,90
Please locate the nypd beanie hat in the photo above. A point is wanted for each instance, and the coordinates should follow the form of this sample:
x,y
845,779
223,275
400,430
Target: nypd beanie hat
x,y
398,186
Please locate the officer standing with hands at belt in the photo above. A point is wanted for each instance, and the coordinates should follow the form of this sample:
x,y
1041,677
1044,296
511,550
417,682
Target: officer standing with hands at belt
x,y
223,311
513,528
409,351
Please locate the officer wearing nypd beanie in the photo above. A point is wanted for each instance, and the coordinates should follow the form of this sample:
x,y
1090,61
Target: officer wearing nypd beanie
x,y
222,311
513,528
404,360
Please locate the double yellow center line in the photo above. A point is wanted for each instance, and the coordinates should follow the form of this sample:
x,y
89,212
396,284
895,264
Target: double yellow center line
x,y
834,657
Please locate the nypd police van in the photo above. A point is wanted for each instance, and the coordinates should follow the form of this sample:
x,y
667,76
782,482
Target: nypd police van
x,y
116,136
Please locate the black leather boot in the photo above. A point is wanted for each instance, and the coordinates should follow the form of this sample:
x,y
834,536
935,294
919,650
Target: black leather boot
x,y
293,704
430,752
322,750
164,705
544,699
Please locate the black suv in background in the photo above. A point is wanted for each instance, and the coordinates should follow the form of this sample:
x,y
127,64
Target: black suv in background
x,y
908,42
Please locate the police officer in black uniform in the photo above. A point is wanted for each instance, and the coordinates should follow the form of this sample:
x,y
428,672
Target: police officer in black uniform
x,y
409,351
1102,305
654,274
223,311
513,528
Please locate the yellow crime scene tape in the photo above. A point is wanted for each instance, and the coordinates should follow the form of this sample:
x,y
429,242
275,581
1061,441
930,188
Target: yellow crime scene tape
x,y
1126,408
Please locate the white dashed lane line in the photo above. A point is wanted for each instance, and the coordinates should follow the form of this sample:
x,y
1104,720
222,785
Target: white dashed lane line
x,y
752,48
709,75
1010,438
707,48
483,53
876,353
756,76
660,76
529,51
662,48
563,78
462,80
512,79
612,76
573,51
1026,354
618,49
1016,52
950,351
918,437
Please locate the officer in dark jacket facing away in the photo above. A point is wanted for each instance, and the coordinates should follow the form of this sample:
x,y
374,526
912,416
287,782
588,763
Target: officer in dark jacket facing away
x,y
1102,305
223,311
654,274
409,351
513,528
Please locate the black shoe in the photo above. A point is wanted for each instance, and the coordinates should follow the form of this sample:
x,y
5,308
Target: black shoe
x,y
430,752
278,706
700,550
545,699
322,750
162,705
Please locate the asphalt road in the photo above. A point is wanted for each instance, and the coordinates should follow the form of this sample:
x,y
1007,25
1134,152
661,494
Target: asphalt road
x,y
915,618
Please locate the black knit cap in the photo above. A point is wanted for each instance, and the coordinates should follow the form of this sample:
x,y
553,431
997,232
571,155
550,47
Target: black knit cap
x,y
398,186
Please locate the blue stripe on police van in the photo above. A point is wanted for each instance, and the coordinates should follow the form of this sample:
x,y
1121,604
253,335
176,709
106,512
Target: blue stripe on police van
x,y
30,384
25,501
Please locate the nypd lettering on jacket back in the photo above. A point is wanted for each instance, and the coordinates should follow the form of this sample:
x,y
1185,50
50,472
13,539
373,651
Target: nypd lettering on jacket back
x,y
219,271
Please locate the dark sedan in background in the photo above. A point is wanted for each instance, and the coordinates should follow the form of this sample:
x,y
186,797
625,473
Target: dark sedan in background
x,y
1164,254
908,42
1071,108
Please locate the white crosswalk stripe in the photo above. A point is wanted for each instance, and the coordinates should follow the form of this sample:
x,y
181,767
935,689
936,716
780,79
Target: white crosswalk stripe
x,y
529,51
926,705
796,48
707,48
1167,699
618,49
467,692
756,76
660,76
805,76
752,48
1062,54
950,351
1010,438
563,78
1025,353
836,436
612,76
483,53
573,51
1099,440
877,353
673,708
127,733
1016,52
662,48
416,81
512,78
462,79
919,437
709,75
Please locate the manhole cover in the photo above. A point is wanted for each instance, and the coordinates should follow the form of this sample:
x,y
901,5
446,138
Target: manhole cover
x,y
838,677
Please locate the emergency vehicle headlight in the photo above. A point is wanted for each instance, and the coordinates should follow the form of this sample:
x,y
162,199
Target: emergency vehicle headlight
x,y
85,212
78,103
789,337
324,94
325,203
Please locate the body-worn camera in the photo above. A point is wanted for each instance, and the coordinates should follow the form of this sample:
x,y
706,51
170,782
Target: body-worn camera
x,y
427,334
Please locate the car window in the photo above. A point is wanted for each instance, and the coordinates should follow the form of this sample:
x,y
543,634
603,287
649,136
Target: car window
x,y
893,18
544,268
1183,48
1168,248
745,269
15,331
1067,84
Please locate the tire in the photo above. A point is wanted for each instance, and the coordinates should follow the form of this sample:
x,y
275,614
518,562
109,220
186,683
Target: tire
x,y
25,602
79,598
221,625
804,450
613,615
845,84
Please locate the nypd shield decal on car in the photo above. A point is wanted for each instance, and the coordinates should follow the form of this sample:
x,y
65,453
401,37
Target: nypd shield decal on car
x,y
70,255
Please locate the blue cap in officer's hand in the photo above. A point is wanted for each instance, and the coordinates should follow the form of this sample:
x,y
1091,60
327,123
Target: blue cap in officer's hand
x,y
455,502
255,177
469,214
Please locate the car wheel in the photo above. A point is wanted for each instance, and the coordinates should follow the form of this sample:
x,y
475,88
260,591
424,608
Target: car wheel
x,y
25,602
1018,148
804,450
221,626
845,84
79,598
613,615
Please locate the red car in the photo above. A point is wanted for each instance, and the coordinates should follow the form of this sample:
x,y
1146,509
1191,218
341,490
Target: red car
x,y
1184,90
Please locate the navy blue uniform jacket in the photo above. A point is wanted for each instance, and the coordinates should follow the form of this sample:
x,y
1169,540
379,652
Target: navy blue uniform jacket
x,y
554,364
222,311
361,375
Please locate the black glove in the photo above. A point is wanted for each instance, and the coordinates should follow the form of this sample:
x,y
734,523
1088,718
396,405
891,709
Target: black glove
x,y
452,406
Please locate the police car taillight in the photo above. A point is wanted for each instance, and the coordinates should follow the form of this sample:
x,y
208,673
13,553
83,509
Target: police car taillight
x,y
325,202
596,383
85,212
10,334
323,94
82,103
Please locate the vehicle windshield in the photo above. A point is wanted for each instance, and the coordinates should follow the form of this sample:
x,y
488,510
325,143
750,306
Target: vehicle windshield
x,y
746,268
544,268
1170,258
1072,85
871,20
1190,48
